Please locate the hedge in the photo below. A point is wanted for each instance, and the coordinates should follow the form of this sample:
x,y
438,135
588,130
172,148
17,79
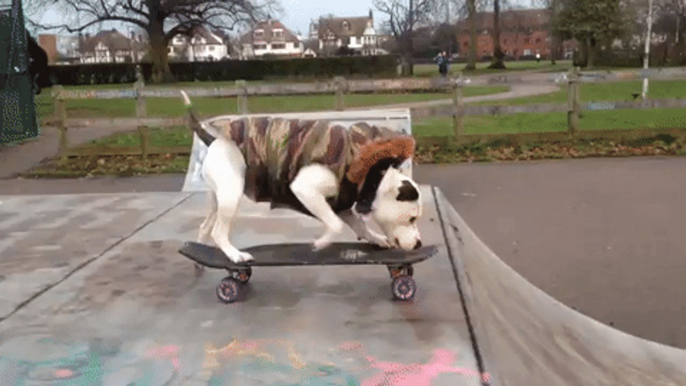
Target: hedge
x,y
227,70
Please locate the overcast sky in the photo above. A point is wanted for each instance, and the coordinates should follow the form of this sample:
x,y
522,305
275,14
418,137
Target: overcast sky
x,y
298,13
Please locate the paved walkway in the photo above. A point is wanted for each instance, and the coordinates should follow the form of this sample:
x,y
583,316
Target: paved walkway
x,y
17,159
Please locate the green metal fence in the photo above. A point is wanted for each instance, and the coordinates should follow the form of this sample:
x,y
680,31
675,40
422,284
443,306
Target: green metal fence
x,y
18,119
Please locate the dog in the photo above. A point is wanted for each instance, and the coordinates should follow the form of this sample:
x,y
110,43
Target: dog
x,y
339,176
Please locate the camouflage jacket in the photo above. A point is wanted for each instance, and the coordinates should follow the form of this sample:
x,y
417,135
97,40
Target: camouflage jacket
x,y
275,149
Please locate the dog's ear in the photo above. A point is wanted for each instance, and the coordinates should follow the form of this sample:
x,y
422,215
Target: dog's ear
x,y
407,192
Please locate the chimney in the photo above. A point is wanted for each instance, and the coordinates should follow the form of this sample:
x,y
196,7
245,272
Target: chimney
x,y
371,15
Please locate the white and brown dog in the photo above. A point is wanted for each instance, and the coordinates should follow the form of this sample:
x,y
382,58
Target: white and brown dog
x,y
337,175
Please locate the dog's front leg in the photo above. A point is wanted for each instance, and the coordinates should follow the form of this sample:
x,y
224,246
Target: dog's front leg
x,y
362,230
312,185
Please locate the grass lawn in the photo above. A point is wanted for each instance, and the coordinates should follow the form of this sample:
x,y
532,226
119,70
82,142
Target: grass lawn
x,y
429,70
616,91
170,107
590,120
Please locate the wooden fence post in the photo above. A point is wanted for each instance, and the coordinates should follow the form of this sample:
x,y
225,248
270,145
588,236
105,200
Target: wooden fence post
x,y
61,119
339,84
243,97
142,112
573,102
458,127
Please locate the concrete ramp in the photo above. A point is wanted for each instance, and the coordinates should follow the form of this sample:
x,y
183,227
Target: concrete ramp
x,y
525,337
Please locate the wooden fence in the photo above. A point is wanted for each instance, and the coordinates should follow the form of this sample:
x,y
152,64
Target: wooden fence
x,y
341,87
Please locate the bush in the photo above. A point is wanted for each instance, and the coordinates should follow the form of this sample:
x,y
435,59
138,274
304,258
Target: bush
x,y
227,70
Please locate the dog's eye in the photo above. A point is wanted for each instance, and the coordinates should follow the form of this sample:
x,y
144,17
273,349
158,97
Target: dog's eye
x,y
412,220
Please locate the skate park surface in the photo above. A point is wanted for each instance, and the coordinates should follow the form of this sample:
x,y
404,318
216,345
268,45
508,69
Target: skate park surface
x,y
94,293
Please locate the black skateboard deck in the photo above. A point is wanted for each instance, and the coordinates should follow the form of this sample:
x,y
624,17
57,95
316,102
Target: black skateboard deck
x,y
302,254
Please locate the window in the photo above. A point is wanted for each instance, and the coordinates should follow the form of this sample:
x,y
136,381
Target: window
x,y
538,40
527,40
278,46
346,25
211,48
258,33
465,44
261,46
527,52
278,33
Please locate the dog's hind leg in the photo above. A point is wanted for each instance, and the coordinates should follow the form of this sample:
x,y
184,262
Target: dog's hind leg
x,y
312,185
224,172
206,227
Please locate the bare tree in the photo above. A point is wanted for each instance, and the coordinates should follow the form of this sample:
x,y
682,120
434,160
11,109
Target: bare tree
x,y
471,58
404,17
161,19
498,54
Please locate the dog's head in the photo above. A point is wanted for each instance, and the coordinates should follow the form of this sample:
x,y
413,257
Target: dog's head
x,y
396,206
396,209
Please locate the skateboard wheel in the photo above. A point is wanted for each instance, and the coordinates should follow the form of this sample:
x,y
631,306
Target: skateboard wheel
x,y
228,290
404,287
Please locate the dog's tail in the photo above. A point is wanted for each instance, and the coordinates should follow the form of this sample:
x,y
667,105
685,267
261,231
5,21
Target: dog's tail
x,y
195,124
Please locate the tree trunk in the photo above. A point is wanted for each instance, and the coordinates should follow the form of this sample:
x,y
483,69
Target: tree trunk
x,y
471,60
159,54
498,55
591,53
553,42
409,48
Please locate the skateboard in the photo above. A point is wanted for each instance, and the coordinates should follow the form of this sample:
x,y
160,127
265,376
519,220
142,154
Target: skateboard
x,y
398,262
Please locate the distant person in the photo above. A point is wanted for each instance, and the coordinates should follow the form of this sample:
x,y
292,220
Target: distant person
x,y
538,58
443,61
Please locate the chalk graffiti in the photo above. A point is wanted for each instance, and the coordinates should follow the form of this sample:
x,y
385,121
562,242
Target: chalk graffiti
x,y
91,364
413,374
269,362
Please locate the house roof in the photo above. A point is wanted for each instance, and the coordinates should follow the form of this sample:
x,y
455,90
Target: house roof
x,y
335,25
211,37
112,39
268,28
510,20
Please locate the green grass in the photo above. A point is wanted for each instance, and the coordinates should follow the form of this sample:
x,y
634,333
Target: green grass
x,y
554,122
429,70
595,92
591,120
171,107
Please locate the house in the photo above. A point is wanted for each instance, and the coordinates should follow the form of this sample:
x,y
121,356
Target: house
x,y
202,45
270,38
355,33
110,47
523,32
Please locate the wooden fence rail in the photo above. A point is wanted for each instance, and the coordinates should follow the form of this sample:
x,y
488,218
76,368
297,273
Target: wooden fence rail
x,y
340,87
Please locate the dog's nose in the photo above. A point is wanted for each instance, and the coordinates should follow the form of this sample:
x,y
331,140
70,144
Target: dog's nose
x,y
418,245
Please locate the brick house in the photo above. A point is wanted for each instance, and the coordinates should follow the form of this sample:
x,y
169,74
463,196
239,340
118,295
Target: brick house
x,y
523,33
48,42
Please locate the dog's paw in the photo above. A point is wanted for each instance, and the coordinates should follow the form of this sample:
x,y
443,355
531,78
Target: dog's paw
x,y
322,242
240,257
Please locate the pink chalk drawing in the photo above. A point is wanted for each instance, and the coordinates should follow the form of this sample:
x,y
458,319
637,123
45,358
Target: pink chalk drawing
x,y
63,373
414,374
170,352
